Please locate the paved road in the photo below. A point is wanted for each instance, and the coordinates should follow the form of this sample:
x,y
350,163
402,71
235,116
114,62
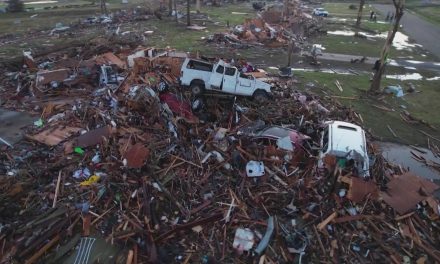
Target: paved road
x,y
422,31
427,65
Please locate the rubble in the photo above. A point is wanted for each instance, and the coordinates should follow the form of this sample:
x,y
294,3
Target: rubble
x,y
133,163
270,28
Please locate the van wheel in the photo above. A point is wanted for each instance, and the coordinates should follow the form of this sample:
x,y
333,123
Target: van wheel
x,y
260,96
197,88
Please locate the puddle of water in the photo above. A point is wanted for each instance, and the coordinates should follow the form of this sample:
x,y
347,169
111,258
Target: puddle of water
x,y
436,78
400,42
41,2
400,154
341,33
410,68
414,62
238,13
405,77
11,124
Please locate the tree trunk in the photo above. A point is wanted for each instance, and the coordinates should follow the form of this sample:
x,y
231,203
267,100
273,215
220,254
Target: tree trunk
x,y
289,53
359,17
188,13
198,6
104,8
175,10
377,78
170,7
286,10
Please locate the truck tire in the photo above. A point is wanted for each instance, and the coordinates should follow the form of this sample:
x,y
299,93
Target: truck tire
x,y
197,88
260,96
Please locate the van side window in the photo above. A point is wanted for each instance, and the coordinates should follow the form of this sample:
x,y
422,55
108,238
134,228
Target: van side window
x,y
325,141
198,65
230,71
220,69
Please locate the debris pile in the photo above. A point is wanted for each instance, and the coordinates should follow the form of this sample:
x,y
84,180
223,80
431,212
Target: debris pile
x,y
271,29
122,154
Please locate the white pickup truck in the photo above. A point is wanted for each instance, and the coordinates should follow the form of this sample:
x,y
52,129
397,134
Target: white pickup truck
x,y
221,77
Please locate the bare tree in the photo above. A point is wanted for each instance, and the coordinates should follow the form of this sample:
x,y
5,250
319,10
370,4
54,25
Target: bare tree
x,y
359,17
15,6
286,10
377,78
104,7
198,6
188,13
290,52
175,10
170,7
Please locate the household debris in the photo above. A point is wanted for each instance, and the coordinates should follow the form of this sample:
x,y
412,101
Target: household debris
x,y
270,29
164,177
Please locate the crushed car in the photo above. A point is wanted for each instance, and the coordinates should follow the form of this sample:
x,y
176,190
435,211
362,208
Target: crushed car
x,y
345,141
282,137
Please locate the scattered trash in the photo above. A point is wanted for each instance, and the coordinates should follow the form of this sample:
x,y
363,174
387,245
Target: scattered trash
x,y
93,179
255,168
244,240
82,174
396,90
38,123
135,148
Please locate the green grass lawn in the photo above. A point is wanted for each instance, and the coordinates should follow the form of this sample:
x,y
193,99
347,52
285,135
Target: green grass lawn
x,y
363,47
421,105
225,13
431,13
343,10
166,32
428,10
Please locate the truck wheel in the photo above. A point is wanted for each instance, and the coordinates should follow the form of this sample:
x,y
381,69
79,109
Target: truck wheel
x,y
197,88
260,96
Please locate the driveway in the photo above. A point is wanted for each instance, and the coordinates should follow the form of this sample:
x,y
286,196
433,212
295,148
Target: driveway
x,y
420,30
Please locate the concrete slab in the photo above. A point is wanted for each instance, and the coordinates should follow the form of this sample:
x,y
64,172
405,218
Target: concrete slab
x,y
11,123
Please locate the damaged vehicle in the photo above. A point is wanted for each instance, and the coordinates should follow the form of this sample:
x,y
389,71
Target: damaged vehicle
x,y
282,137
347,143
221,77
320,12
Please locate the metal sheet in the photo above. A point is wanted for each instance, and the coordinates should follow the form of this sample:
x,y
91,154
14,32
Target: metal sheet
x,y
137,155
405,192
94,137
